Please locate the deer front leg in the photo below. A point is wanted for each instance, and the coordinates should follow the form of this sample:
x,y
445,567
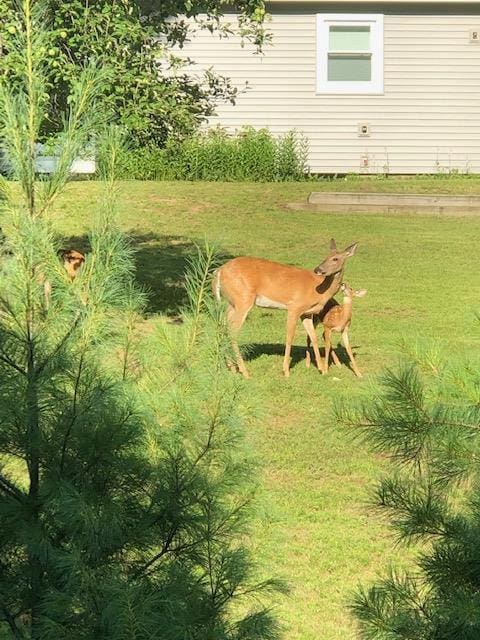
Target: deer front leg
x,y
291,324
307,353
346,343
312,336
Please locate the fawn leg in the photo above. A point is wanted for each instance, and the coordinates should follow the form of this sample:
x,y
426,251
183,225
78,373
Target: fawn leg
x,y
327,336
346,342
335,358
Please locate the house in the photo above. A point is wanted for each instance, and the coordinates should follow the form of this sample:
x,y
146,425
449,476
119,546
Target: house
x,y
374,86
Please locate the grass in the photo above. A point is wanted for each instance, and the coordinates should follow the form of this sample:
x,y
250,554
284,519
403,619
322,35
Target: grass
x,y
421,273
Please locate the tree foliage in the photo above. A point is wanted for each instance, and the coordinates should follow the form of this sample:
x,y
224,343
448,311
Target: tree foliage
x,y
146,89
125,485
431,432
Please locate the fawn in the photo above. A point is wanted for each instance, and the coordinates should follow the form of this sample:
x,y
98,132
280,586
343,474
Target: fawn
x,y
337,318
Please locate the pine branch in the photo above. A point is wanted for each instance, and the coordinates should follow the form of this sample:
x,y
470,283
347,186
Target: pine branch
x,y
12,314
163,551
74,412
173,551
10,620
10,489
39,369
7,360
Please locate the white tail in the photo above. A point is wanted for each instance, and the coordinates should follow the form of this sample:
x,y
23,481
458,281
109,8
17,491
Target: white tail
x,y
246,282
337,319
216,285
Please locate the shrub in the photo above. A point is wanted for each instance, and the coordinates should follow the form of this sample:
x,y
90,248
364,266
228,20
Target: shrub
x,y
251,155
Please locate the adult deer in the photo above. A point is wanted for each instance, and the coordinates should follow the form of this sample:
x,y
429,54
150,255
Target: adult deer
x,y
246,282
336,318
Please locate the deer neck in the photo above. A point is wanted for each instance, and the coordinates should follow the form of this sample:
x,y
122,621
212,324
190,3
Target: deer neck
x,y
347,308
330,285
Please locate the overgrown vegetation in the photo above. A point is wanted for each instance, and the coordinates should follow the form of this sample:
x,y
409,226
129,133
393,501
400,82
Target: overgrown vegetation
x,y
125,485
251,155
145,88
430,431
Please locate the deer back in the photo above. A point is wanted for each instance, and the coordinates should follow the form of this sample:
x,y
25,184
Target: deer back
x,y
283,285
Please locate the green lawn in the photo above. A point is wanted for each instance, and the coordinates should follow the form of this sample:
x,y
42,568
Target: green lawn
x,y
421,273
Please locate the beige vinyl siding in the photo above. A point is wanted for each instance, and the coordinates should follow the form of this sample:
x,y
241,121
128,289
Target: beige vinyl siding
x,y
427,121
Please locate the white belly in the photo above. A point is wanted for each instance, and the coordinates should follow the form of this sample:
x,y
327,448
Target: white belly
x,y
263,301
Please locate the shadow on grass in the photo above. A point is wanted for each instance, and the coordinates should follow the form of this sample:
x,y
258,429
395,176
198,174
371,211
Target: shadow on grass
x,y
253,351
161,262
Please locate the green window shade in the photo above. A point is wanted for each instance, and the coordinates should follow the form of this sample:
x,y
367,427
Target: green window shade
x,y
349,38
349,66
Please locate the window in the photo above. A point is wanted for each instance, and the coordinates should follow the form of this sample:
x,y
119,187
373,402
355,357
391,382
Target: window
x,y
350,53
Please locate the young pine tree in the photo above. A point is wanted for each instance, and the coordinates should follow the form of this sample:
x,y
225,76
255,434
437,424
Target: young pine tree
x,y
124,482
431,432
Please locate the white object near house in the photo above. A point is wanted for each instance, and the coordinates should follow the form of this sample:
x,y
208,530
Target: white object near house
x,y
48,163
375,86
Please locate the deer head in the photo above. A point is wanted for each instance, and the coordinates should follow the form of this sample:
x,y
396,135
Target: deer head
x,y
348,292
335,261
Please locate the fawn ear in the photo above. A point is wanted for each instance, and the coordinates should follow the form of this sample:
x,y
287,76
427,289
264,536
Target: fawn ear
x,y
333,245
349,251
360,293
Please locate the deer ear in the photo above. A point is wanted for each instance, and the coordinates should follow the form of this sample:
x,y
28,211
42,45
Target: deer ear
x,y
333,245
349,251
360,293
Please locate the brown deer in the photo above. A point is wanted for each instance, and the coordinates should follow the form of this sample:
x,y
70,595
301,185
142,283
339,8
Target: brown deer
x,y
246,282
72,261
337,318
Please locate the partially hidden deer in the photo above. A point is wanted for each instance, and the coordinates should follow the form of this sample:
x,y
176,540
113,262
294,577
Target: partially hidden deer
x,y
245,282
72,261
336,318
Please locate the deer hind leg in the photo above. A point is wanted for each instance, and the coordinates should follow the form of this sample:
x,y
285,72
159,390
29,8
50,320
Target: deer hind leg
x,y
236,317
312,337
346,343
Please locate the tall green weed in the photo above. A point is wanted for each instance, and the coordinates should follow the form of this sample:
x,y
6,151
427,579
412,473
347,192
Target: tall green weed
x,y
250,155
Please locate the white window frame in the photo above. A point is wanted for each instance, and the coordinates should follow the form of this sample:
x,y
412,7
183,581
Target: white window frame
x,y
374,86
